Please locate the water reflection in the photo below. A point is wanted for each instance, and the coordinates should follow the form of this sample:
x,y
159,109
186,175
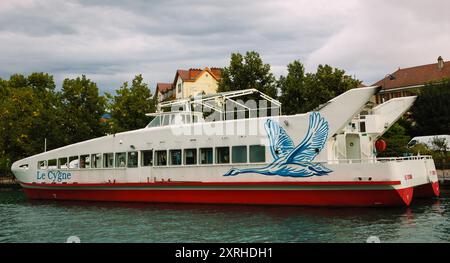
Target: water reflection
x,y
50,221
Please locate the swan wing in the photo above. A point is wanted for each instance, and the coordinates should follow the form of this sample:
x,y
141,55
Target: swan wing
x,y
280,143
313,142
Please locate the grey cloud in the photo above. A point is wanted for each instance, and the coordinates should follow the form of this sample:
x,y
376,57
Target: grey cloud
x,y
111,41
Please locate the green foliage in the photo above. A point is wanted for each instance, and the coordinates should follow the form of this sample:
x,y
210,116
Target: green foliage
x,y
431,111
396,140
247,72
129,106
302,92
293,89
82,108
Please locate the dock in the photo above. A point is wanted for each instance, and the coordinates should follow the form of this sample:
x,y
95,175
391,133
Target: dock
x,y
444,177
8,183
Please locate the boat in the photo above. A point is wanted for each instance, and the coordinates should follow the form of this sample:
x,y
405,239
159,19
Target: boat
x,y
220,149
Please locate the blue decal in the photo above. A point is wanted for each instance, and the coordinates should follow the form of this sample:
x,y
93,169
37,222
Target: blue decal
x,y
291,161
54,176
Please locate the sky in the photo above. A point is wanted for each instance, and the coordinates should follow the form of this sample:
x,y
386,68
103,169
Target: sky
x,y
112,41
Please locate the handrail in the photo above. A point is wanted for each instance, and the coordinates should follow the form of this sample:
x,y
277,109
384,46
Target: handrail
x,y
378,160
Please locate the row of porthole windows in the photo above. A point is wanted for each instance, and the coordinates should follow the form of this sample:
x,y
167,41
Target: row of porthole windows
x,y
239,154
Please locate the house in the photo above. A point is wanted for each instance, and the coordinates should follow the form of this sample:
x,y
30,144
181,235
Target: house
x,y
190,83
164,91
402,82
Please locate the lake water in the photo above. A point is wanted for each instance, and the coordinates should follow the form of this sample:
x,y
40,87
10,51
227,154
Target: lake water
x,y
49,221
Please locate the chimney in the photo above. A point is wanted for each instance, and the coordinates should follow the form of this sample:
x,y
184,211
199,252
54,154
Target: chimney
x,y
440,63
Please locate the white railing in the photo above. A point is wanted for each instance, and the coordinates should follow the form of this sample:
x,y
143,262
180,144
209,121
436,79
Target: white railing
x,y
379,160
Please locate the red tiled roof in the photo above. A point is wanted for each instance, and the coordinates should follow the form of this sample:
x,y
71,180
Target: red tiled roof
x,y
193,73
163,87
415,76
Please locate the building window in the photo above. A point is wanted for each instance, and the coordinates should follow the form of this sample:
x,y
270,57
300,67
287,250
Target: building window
x,y
206,155
257,153
73,162
85,161
179,87
132,161
62,163
161,158
108,160
190,156
175,157
223,155
239,154
147,158
96,160
121,159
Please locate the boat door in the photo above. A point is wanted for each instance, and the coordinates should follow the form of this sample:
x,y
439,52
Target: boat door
x,y
353,146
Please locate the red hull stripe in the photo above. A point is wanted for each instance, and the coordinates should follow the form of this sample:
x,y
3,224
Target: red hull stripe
x,y
235,184
387,197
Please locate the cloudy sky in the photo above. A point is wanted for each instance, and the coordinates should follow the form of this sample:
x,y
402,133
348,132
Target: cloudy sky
x,y
111,41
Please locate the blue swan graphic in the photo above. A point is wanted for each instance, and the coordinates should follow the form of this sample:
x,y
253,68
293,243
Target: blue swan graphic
x,y
291,161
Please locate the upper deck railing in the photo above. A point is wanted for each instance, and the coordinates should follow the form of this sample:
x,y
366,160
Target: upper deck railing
x,y
380,160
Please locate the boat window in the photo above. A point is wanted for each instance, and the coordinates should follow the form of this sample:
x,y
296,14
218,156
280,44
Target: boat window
x,y
96,160
23,166
147,158
190,156
223,155
132,160
257,153
206,155
62,163
85,161
108,160
156,122
121,159
194,119
362,126
188,118
166,120
177,119
239,154
52,164
42,165
73,162
175,157
161,158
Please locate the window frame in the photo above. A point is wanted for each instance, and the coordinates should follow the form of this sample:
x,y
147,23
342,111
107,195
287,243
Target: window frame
x,y
170,162
196,152
155,155
116,163
151,158
77,158
200,154
39,167
94,157
250,153
137,159
85,166
106,159
216,159
245,155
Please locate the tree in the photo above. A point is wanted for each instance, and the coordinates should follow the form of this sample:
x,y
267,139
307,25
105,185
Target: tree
x,y
396,140
247,72
302,92
18,122
81,108
129,106
431,111
292,87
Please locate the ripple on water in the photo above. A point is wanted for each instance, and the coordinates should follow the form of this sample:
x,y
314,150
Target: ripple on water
x,y
24,221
